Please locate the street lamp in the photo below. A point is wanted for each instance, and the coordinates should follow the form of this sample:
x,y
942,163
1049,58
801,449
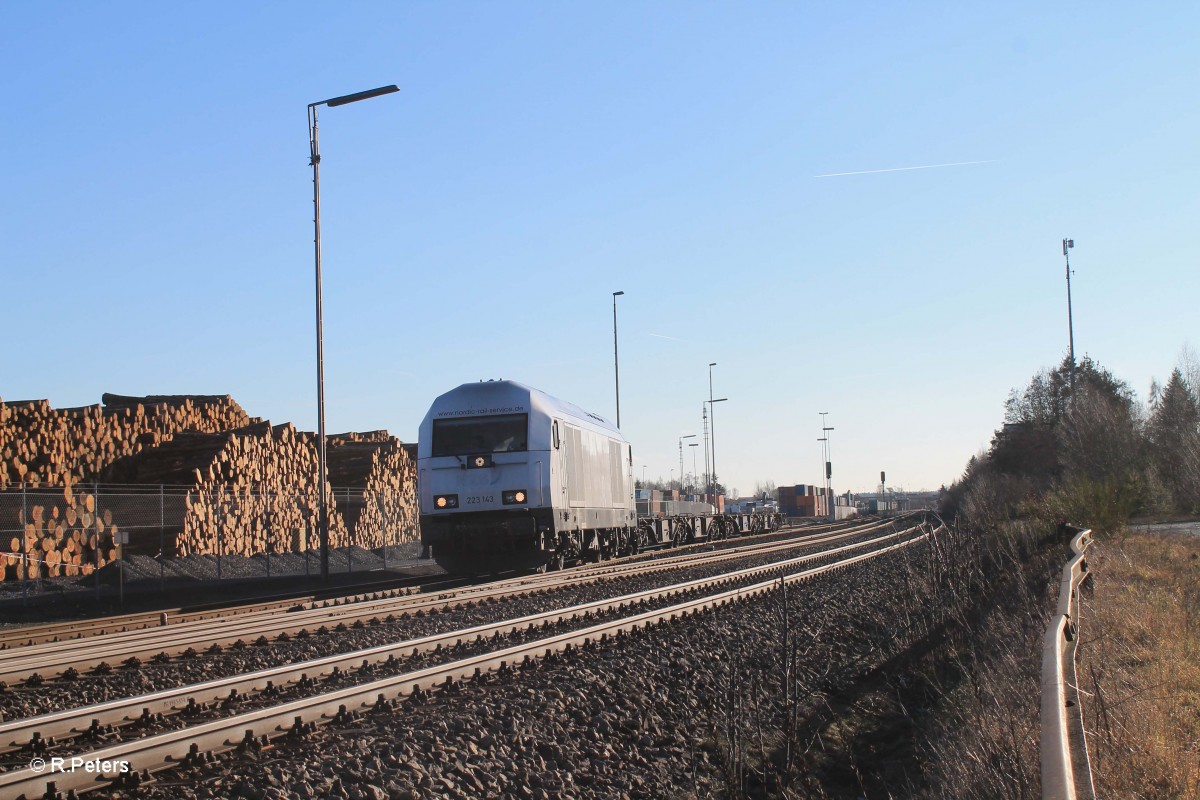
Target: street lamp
x,y
616,363
694,444
713,432
315,162
681,438
1068,244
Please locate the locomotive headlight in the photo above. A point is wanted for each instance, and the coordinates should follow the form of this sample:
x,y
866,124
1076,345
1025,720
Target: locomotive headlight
x,y
513,497
446,501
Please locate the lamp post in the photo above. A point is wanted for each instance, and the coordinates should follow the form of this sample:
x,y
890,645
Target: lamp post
x,y
681,438
1068,244
712,423
315,162
616,362
712,476
694,444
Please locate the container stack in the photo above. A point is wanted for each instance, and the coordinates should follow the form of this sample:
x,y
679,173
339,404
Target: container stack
x,y
802,500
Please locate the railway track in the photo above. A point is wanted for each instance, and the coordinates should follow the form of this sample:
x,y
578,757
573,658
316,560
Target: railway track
x,y
35,663
27,635
121,623
254,729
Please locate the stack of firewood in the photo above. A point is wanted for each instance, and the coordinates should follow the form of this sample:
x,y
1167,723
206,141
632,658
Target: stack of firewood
x,y
42,446
381,507
61,535
249,490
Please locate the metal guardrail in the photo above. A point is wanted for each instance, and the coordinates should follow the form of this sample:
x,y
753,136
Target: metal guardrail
x,y
1066,769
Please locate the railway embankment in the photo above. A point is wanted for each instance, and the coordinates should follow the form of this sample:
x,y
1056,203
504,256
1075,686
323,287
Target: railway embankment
x,y
1077,444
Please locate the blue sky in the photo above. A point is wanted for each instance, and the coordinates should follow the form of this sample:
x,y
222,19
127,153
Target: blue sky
x,y
157,214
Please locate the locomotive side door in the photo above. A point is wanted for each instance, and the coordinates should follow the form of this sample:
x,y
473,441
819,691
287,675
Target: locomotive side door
x,y
574,478
559,443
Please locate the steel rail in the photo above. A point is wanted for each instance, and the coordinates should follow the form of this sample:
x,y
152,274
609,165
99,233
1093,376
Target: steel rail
x,y
19,664
1066,768
154,753
19,733
28,635
31,635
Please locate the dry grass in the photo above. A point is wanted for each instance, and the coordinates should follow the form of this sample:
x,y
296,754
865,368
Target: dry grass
x,y
1140,666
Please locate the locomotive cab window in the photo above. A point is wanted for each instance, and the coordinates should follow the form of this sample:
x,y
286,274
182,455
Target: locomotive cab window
x,y
502,433
556,442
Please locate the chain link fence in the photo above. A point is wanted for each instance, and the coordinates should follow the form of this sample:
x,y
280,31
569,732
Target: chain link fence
x,y
93,535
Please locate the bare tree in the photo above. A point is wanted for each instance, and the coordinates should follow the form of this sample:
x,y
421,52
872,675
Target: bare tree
x,y
765,490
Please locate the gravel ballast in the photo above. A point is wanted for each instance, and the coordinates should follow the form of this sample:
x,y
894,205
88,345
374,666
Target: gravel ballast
x,y
665,712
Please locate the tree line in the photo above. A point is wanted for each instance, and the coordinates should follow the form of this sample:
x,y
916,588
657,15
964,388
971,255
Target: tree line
x,y
1088,451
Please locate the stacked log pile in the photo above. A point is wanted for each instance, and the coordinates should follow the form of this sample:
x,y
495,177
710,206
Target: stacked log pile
x,y
380,506
42,446
235,484
250,490
61,534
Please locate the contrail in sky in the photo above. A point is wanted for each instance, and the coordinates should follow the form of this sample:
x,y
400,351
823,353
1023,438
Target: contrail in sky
x,y
672,338
901,169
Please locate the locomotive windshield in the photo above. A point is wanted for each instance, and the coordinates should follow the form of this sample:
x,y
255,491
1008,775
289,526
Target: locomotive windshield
x,y
503,433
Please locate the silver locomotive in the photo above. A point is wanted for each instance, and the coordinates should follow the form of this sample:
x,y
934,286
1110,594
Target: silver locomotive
x,y
512,478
